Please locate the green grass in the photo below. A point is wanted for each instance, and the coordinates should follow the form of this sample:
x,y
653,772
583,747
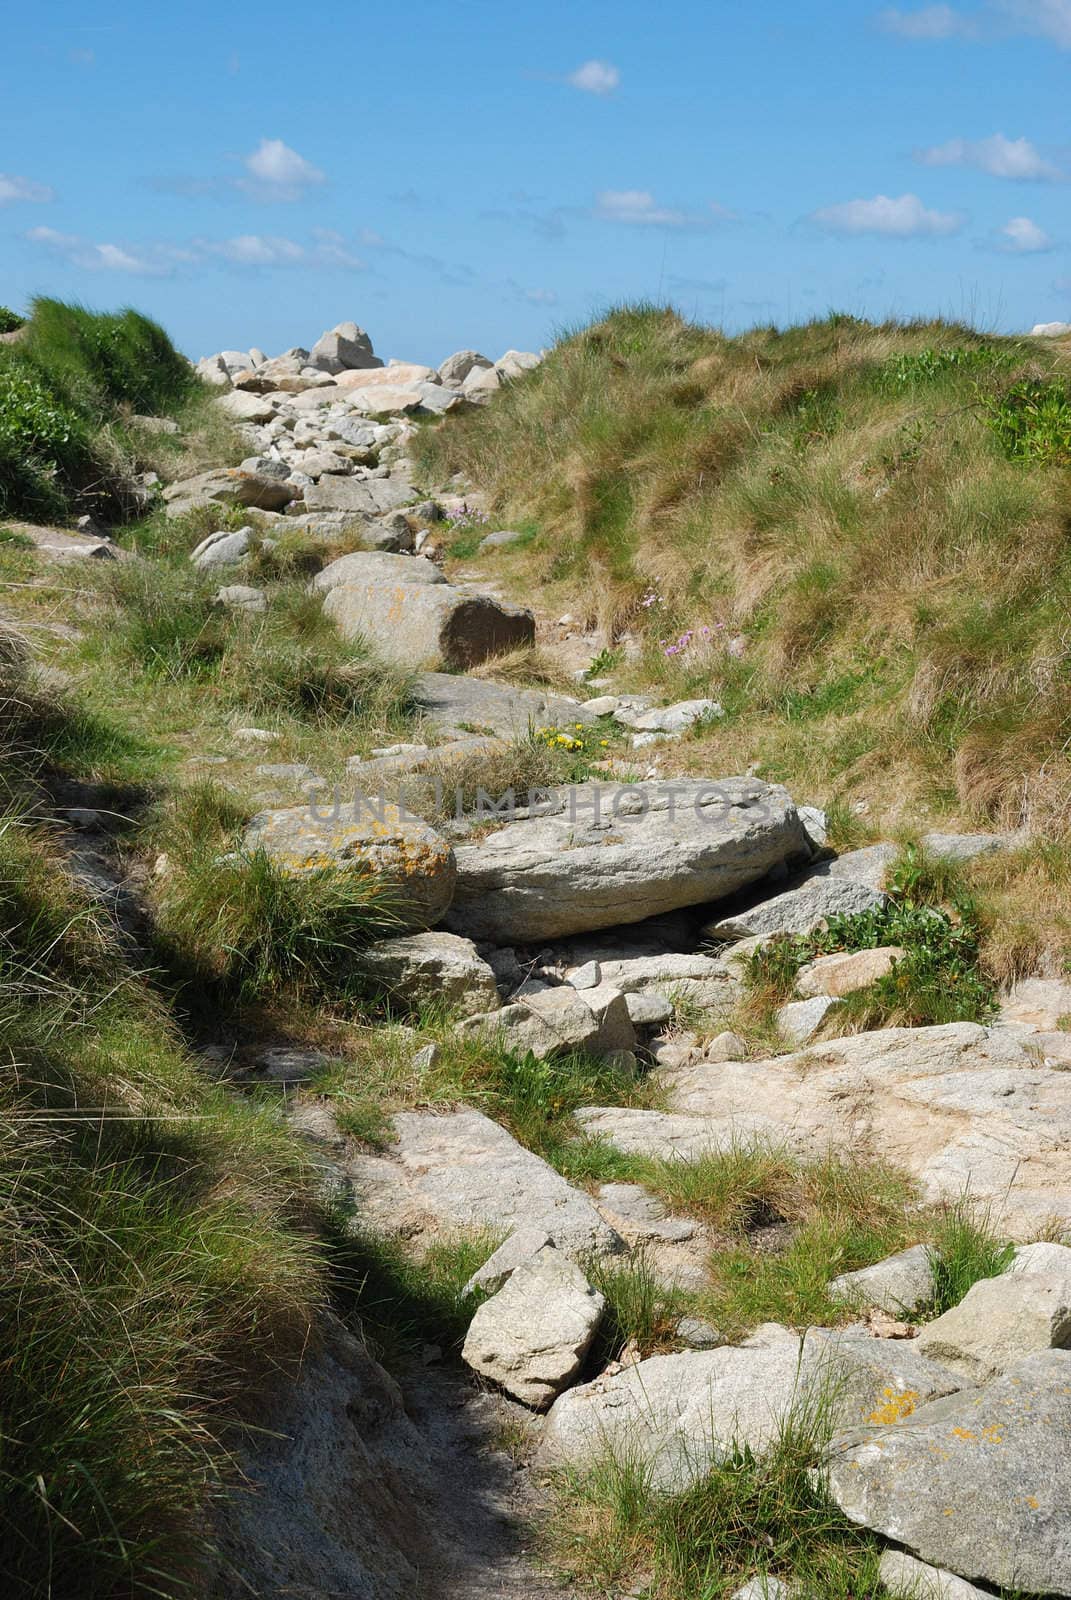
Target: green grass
x,y
747,1516
66,389
966,1248
154,1254
640,1311
914,657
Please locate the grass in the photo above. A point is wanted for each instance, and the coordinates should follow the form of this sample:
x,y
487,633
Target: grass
x,y
877,561
67,390
747,1516
641,1312
965,1249
156,1256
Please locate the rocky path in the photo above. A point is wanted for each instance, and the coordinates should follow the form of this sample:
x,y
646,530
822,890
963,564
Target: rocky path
x,y
592,921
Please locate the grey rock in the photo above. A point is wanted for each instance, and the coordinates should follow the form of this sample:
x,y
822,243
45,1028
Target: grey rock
x,y
456,368
998,1322
901,1284
798,910
227,486
1040,1003
609,1007
642,1217
480,385
648,1008
870,865
156,424
462,1170
343,348
909,1579
242,597
503,1262
264,467
289,1063
432,968
372,496
816,822
614,855
679,1414
428,625
376,566
1050,330
800,1020
292,771
413,864
544,1021
726,1046
532,1336
968,846
977,1483
449,701
515,363
1050,1260
245,407
498,541
695,1333
586,977
221,549
667,719
764,1588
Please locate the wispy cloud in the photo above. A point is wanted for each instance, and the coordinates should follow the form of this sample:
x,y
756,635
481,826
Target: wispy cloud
x,y
276,172
324,251
99,257
1021,236
1042,19
1000,157
903,218
931,22
595,77
13,189
639,208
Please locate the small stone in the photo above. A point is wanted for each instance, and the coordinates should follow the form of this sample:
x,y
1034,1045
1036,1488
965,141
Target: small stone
x,y
763,1588
603,705
695,1333
255,735
847,971
503,1263
623,1062
909,1579
242,597
589,976
726,1046
647,1008
902,1283
532,1336
800,1020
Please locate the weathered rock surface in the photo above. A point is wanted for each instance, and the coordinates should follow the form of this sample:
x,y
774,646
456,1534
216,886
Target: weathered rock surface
x,y
222,549
373,497
909,1579
227,486
420,625
462,1170
799,910
847,971
548,1021
679,1414
414,864
800,1020
611,855
376,566
342,349
450,701
432,969
1040,1003
979,1482
961,1107
532,1336
241,597
900,1285
998,1322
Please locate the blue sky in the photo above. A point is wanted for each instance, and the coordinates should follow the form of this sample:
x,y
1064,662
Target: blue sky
x,y
454,173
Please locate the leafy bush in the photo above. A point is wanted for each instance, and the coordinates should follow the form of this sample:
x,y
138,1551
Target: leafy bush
x,y
10,320
106,359
926,366
42,440
1032,420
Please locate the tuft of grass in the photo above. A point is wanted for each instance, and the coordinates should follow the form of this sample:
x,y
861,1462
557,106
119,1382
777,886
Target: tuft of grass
x,y
749,1515
230,924
641,1312
966,1248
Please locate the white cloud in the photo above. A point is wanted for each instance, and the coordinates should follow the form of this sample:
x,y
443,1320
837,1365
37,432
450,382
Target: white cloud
x,y
278,173
1043,19
595,77
1000,157
13,188
931,22
903,218
100,257
1048,19
1023,237
635,205
540,297
258,250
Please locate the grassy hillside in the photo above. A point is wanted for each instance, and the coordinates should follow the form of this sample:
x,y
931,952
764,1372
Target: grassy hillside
x,y
854,536
72,384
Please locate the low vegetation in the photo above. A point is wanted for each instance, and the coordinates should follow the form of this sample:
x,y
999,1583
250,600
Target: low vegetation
x,y
853,536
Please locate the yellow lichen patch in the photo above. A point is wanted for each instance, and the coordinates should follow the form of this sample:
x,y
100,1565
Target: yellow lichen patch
x,y
993,1433
894,1406
965,1433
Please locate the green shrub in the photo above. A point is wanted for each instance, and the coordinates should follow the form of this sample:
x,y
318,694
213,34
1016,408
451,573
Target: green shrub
x,y
965,1249
9,320
1032,420
910,371
43,442
106,359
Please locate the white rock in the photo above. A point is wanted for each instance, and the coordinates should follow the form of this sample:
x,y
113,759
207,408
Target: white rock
x,y
432,968
900,1285
800,1020
221,549
533,1335
998,1322
1050,330
908,1579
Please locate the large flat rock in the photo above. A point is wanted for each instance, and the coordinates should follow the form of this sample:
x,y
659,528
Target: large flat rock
x,y
978,1483
680,1414
451,701
373,496
963,1108
462,1170
612,854
421,625
532,1336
